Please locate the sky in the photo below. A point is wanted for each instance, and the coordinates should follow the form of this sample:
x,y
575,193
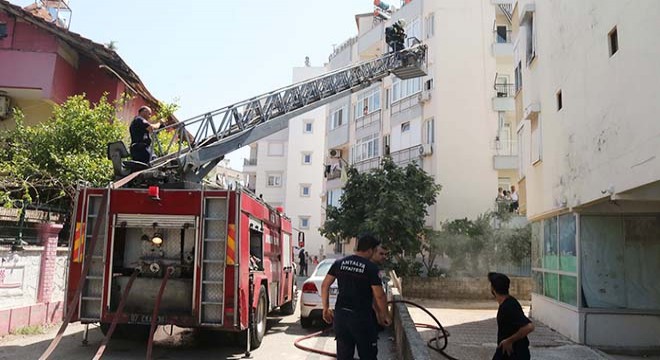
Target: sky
x,y
206,54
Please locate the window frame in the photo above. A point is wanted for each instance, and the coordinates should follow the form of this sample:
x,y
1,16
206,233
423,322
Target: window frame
x,y
274,175
302,218
302,190
309,122
304,154
269,151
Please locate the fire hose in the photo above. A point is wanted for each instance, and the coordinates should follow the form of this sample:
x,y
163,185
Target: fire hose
x,y
433,344
115,318
154,316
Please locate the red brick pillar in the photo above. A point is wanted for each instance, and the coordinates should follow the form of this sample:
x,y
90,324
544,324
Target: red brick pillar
x,y
48,234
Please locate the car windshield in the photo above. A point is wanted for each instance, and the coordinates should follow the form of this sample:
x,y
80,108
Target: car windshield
x,y
323,268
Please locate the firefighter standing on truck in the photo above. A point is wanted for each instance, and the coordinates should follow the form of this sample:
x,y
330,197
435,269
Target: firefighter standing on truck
x,y
359,285
140,140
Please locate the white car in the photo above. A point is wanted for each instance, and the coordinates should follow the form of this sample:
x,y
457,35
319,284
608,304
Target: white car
x,y
311,307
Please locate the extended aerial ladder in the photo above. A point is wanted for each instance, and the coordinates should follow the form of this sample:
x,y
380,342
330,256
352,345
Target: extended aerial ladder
x,y
202,141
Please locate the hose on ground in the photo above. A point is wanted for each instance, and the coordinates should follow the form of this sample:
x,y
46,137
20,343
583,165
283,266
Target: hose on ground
x,y
433,344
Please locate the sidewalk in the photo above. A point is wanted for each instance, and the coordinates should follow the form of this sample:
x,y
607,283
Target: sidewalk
x,y
473,333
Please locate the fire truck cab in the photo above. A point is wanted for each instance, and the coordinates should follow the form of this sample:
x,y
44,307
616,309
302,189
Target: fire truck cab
x,y
229,256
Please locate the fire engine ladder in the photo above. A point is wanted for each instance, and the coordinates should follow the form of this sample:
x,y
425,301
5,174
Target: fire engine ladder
x,y
214,247
202,141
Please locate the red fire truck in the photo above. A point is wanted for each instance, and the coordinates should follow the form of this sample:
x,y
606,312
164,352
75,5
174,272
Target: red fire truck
x,y
159,247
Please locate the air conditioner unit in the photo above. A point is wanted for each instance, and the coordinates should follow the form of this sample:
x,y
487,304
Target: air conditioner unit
x,y
425,150
425,96
334,153
5,106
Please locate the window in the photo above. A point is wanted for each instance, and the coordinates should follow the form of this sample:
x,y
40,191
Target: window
x,y
365,148
305,190
333,197
414,29
614,41
275,149
405,126
559,102
523,151
428,84
531,39
307,158
337,118
502,37
303,222
554,258
3,30
429,131
518,76
430,25
367,102
536,146
274,180
307,126
404,88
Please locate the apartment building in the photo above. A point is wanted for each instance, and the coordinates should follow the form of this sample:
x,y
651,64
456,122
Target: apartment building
x,y
586,119
286,168
456,123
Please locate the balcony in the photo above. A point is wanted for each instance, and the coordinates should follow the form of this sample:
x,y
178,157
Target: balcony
x,y
366,165
337,137
406,156
503,99
502,46
367,120
506,155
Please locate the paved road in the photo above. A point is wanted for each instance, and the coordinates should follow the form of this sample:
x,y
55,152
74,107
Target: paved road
x,y
183,344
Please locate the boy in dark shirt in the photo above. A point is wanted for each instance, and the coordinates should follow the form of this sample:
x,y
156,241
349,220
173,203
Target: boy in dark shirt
x,y
359,285
512,324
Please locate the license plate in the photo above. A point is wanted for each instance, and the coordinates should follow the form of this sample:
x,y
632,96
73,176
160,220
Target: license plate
x,y
334,291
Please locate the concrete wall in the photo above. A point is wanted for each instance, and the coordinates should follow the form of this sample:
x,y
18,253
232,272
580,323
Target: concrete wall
x,y
559,317
631,331
32,283
602,137
461,288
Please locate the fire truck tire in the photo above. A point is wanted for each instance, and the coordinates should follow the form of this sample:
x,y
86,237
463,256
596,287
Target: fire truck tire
x,y
290,307
258,330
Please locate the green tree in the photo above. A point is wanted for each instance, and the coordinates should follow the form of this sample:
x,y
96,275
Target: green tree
x,y
391,202
43,163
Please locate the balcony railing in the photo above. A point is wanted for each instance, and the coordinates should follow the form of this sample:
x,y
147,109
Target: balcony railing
x,y
506,147
366,165
366,120
249,162
333,174
405,156
504,90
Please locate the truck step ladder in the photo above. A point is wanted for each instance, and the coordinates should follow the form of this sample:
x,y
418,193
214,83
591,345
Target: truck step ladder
x,y
214,242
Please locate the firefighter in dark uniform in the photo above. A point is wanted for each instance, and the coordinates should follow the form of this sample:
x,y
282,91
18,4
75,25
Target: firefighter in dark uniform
x,y
395,35
359,285
140,129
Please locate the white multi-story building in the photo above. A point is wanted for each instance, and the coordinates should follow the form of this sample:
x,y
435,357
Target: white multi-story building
x,y
587,106
455,122
286,168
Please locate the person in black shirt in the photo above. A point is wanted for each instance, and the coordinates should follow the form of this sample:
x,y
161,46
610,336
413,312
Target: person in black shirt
x,y
512,324
140,140
359,285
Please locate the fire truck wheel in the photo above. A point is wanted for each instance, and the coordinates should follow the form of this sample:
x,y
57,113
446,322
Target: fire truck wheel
x,y
259,328
290,307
